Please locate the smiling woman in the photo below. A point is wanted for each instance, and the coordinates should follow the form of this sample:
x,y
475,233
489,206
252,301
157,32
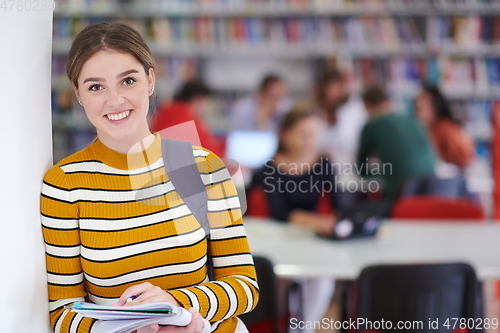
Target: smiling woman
x,y
111,77
103,243
115,103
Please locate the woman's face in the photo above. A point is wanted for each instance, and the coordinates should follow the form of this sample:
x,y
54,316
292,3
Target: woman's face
x,y
335,93
303,136
424,109
114,90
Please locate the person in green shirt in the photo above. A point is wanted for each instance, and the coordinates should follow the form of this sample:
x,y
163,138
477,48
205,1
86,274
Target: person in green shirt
x,y
399,141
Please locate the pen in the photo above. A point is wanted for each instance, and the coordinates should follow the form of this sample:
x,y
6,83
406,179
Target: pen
x,y
131,298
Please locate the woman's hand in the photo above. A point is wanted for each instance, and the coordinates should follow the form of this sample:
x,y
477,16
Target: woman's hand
x,y
195,326
146,293
320,223
325,224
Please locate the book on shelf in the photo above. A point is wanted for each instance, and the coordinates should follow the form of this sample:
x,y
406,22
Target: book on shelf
x,y
478,121
350,32
263,6
239,4
457,50
465,32
458,77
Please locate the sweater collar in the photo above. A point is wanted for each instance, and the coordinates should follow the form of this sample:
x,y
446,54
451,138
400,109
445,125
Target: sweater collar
x,y
122,161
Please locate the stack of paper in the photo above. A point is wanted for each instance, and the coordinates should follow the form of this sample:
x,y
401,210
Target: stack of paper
x,y
124,319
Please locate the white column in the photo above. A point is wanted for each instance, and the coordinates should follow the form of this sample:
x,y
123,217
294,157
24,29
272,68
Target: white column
x,y
26,153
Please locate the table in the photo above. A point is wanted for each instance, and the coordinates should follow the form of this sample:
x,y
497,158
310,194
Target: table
x,y
298,253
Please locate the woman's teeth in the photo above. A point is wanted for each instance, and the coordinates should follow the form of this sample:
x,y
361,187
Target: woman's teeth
x,y
118,116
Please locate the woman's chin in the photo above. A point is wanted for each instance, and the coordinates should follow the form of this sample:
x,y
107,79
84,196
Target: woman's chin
x,y
120,135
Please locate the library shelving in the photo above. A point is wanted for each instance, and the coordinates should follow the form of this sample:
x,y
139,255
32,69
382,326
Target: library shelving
x,y
452,43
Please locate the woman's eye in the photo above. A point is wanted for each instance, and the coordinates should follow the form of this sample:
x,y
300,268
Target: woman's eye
x,y
129,81
95,87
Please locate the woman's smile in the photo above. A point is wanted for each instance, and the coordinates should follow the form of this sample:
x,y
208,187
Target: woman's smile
x,y
116,117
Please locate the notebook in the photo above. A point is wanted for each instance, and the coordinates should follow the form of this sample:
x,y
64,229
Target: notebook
x,y
124,319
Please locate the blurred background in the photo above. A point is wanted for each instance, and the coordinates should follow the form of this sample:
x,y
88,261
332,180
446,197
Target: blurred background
x,y
236,67
232,45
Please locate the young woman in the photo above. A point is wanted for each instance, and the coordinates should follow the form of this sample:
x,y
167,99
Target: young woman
x,y
295,181
345,117
102,242
451,142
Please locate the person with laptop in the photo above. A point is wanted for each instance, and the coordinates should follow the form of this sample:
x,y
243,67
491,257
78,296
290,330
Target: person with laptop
x,y
296,181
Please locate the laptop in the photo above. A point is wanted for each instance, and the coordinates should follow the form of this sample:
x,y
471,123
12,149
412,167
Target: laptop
x,y
251,149
359,220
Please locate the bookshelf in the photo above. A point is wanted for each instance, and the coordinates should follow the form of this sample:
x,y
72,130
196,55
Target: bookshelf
x,y
453,43
277,7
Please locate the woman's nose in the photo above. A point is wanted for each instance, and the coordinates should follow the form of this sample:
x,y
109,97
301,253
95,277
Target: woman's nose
x,y
115,98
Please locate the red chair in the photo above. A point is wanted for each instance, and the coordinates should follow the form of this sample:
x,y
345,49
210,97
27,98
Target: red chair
x,y
257,205
324,205
434,207
495,152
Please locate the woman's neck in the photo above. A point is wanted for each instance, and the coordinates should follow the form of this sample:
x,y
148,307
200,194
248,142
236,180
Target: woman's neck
x,y
288,160
128,145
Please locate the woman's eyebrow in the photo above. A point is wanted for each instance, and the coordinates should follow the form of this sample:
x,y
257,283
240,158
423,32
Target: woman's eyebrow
x,y
98,79
130,71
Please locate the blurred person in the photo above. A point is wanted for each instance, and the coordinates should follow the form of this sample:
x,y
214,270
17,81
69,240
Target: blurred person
x,y
296,163
399,141
263,110
189,103
294,182
345,116
450,141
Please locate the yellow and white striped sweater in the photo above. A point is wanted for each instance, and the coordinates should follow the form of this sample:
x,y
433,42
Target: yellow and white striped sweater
x,y
113,220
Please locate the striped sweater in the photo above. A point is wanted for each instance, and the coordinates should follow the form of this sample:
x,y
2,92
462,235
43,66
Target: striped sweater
x,y
112,220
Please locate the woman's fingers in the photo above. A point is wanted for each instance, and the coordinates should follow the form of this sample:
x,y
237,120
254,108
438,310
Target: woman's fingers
x,y
142,297
136,290
153,328
151,298
327,226
195,326
200,323
155,294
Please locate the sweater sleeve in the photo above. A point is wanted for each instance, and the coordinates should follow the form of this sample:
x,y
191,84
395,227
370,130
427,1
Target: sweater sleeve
x,y
453,144
234,290
59,217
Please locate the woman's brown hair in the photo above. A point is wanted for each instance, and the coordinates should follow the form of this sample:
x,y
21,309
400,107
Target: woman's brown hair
x,y
332,75
107,36
299,112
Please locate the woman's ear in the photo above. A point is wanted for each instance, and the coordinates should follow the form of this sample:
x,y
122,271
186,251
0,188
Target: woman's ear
x,y
75,89
151,78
